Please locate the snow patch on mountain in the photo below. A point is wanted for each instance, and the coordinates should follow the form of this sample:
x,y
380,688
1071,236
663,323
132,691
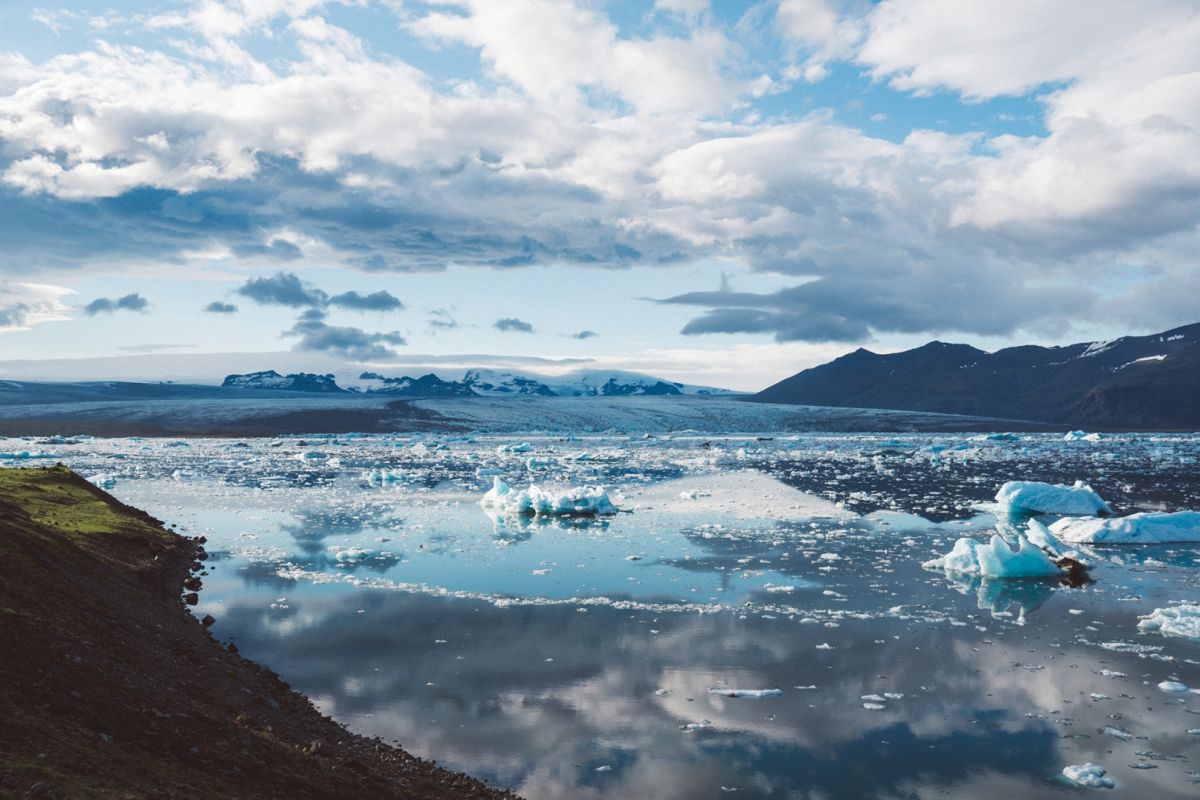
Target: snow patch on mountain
x,y
294,382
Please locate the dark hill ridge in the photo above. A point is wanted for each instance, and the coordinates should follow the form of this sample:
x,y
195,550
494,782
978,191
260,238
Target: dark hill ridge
x,y
110,688
1143,382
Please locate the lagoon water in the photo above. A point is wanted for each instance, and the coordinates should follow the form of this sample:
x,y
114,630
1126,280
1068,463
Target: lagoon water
x,y
596,658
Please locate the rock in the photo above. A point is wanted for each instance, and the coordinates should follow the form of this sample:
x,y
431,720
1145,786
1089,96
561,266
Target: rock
x,y
208,620
191,598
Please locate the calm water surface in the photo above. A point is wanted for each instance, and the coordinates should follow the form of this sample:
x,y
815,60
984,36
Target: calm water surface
x,y
590,660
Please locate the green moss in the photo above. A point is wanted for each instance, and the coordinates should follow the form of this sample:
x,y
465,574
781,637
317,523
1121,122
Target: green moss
x,y
57,498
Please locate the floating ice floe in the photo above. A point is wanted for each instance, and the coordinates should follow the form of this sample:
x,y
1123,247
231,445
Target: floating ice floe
x,y
1174,687
352,555
756,693
1143,528
382,477
23,455
103,480
1082,436
1090,775
1182,620
534,501
1050,498
996,559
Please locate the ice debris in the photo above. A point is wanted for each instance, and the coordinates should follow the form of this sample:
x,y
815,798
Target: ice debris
x,y
1143,528
382,477
534,501
996,559
1082,436
1090,775
1050,498
1173,687
756,693
1182,620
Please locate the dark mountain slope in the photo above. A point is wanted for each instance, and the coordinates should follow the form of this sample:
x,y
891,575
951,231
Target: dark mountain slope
x,y
1131,382
110,688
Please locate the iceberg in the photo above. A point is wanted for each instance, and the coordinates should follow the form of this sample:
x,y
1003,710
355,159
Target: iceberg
x,y
535,501
352,555
103,480
1090,775
1050,498
996,559
1142,528
1040,535
382,477
1182,620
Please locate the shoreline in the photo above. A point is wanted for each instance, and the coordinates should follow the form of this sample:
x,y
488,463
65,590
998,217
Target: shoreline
x,y
114,688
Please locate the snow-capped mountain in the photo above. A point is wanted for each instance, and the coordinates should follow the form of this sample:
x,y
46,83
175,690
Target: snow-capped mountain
x,y
475,383
429,385
295,382
498,383
1131,382
580,383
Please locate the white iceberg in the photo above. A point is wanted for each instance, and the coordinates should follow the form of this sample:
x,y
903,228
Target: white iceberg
x,y
1143,528
382,477
535,501
1090,775
1050,498
103,480
996,559
1082,436
352,555
1182,620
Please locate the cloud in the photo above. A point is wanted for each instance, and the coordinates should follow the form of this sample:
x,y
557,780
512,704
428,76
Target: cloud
x,y
442,319
104,305
376,301
143,349
287,289
352,343
23,305
584,335
283,289
850,309
217,307
277,249
512,325
562,137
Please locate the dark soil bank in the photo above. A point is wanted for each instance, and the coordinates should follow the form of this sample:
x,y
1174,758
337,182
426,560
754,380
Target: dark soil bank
x,y
110,688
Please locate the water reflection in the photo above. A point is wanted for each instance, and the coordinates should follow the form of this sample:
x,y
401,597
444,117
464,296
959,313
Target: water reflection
x,y
999,596
541,698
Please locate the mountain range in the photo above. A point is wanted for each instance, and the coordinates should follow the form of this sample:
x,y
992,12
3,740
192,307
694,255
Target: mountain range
x,y
476,383
1131,382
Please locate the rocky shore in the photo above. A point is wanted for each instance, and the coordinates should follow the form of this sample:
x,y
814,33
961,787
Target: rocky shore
x,y
111,688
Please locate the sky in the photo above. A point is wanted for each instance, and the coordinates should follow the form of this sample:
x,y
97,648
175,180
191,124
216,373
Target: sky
x,y
716,192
